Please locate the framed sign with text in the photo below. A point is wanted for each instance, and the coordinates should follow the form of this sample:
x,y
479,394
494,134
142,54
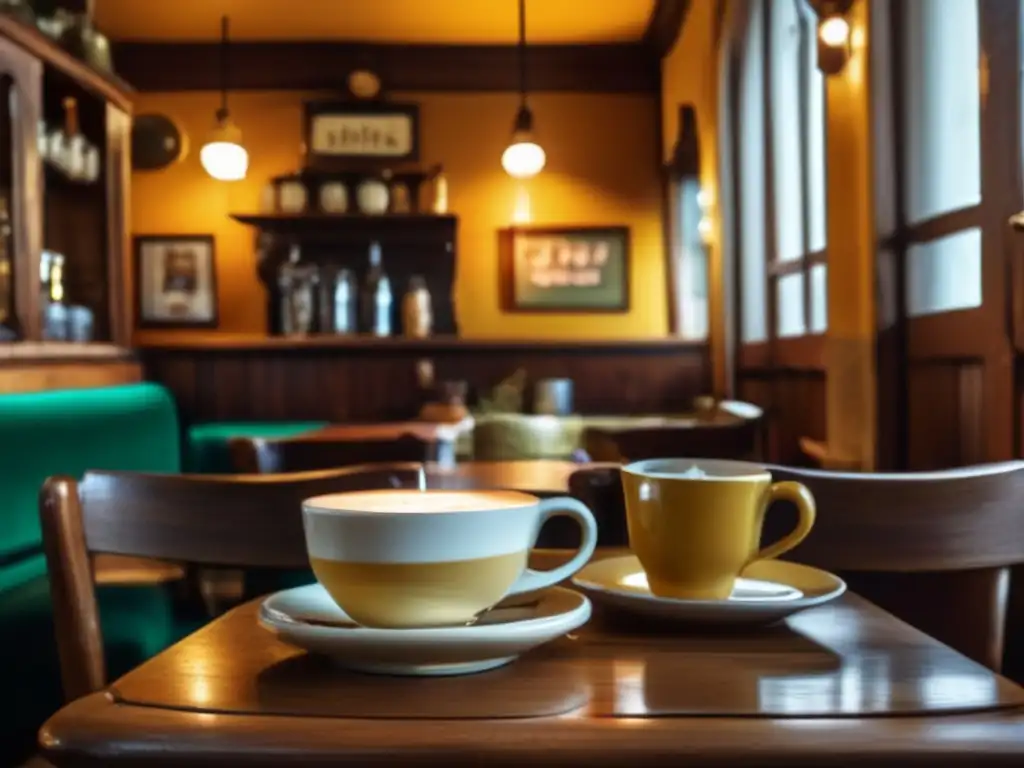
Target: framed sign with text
x,y
361,130
564,269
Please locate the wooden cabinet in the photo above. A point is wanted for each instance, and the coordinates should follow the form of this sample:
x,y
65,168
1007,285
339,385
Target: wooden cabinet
x,y
41,208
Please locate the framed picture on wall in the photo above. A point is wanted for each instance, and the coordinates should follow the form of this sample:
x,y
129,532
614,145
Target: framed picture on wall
x,y
175,281
564,269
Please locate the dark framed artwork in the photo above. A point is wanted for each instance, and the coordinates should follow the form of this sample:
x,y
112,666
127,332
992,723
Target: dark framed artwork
x,y
564,269
175,281
360,130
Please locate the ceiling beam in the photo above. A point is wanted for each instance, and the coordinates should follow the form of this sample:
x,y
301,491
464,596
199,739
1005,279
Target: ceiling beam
x,y
605,68
664,26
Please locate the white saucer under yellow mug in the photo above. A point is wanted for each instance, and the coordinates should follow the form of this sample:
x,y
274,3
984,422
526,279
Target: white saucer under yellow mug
x,y
767,591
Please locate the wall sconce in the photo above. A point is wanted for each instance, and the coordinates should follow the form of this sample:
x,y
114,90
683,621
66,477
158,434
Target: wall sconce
x,y
834,48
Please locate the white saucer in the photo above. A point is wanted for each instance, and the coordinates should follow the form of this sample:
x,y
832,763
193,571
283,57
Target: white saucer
x,y
769,591
308,618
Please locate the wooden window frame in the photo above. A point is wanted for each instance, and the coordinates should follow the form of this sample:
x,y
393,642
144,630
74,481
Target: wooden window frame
x,y
807,350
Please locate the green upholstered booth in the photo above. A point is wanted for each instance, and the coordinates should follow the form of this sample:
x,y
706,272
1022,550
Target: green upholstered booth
x,y
206,445
132,427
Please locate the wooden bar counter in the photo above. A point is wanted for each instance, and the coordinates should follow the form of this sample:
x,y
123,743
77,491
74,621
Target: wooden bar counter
x,y
221,377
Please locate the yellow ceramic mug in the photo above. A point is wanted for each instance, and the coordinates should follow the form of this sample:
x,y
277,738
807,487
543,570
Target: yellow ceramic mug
x,y
695,524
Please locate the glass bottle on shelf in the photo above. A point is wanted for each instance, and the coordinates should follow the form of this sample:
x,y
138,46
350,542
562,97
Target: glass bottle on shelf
x,y
297,283
440,205
55,310
375,297
67,147
417,317
91,163
343,302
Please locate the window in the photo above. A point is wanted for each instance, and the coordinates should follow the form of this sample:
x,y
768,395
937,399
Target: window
x,y
692,274
750,129
942,163
778,141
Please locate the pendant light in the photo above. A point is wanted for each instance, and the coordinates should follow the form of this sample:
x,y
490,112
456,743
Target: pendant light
x,y
524,157
223,155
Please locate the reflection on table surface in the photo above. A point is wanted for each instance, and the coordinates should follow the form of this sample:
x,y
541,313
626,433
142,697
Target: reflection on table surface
x,y
847,658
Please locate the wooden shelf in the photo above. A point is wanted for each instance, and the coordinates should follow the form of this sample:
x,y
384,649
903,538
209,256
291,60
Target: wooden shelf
x,y
219,342
350,225
105,85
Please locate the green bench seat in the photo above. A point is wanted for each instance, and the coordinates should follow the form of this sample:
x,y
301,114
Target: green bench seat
x,y
132,427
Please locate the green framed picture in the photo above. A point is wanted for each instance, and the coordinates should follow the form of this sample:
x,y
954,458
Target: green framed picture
x,y
564,269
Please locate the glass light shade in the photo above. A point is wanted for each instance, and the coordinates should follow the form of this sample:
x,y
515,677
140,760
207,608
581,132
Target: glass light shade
x,y
523,158
834,31
223,156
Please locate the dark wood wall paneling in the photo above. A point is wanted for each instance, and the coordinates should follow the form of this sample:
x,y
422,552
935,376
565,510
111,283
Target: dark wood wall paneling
x,y
367,382
794,404
307,66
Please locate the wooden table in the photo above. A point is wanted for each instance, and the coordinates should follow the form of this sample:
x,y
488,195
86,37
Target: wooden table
x,y
841,685
390,430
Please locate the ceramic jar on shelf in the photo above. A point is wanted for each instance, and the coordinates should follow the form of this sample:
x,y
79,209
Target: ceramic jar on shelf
x,y
373,195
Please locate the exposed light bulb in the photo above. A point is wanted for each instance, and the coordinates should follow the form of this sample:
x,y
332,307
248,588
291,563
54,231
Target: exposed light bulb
x,y
834,31
223,156
523,159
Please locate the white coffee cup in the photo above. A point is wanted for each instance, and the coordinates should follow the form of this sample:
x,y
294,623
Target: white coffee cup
x,y
410,558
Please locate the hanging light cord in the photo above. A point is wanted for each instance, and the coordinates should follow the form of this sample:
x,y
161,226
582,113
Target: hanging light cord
x,y
522,51
222,113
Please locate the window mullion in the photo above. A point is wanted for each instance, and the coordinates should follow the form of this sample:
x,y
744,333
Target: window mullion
x,y
771,244
804,87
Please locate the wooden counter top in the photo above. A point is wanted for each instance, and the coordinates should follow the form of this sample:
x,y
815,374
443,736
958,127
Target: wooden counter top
x,y
43,352
39,366
246,342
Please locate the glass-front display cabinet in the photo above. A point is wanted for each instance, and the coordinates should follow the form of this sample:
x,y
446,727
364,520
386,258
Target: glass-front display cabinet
x,y
64,173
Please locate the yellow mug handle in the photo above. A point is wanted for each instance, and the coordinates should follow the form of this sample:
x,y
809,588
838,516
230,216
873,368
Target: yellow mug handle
x,y
801,497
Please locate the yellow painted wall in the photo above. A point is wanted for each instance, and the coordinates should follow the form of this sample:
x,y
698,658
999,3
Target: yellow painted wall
x,y
602,169
850,342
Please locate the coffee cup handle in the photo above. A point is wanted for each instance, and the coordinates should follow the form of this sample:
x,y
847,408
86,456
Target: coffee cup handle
x,y
804,501
563,505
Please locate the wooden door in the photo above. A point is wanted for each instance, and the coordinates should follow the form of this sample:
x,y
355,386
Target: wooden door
x,y
947,116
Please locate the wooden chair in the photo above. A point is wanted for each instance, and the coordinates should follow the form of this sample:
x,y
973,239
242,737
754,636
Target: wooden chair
x,y
244,521
330,450
733,439
933,548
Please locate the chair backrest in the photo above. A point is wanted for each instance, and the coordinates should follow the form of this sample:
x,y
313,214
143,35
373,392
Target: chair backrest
x,y
600,488
330,450
933,548
734,439
234,520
